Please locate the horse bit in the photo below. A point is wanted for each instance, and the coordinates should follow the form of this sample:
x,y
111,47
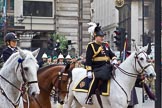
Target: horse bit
x,y
24,87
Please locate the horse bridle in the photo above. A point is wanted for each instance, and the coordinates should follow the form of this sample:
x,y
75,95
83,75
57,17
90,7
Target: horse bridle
x,y
24,87
135,67
131,74
58,91
139,63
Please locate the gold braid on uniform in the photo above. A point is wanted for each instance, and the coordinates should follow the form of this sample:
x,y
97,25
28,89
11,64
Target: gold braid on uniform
x,y
96,52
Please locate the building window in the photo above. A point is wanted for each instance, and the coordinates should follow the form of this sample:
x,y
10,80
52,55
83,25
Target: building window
x,y
11,4
37,8
10,21
146,11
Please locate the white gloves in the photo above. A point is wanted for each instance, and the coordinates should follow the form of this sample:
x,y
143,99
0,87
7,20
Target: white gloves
x,y
114,62
89,74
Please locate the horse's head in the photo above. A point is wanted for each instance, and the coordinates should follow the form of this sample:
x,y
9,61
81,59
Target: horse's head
x,y
27,70
142,62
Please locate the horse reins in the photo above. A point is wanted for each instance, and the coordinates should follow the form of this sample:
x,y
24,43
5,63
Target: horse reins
x,y
23,88
14,104
131,74
59,79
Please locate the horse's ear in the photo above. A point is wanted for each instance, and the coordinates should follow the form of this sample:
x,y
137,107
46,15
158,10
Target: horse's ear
x,y
22,54
136,48
145,48
35,53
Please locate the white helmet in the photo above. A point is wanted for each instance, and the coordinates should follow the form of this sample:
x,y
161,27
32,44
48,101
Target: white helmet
x,y
68,57
44,55
60,56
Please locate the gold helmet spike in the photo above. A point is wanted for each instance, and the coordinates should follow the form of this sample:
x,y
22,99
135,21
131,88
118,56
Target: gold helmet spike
x,y
119,3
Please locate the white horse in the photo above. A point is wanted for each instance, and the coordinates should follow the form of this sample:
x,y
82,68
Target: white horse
x,y
18,72
120,86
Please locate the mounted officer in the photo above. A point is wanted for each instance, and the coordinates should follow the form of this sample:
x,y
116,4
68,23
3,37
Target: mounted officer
x,y
98,57
11,43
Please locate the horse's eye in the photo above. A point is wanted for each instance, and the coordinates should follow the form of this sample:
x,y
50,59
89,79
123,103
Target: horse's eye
x,y
141,58
25,68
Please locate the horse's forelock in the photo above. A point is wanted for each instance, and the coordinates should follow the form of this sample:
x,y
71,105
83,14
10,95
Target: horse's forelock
x,y
29,55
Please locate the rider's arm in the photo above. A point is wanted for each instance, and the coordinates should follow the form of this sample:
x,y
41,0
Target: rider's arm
x,y
6,54
89,55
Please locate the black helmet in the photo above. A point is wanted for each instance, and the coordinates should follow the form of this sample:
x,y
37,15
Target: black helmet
x,y
98,31
10,37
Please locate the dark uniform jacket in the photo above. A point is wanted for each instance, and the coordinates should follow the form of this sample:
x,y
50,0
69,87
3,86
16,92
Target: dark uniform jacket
x,y
7,52
97,55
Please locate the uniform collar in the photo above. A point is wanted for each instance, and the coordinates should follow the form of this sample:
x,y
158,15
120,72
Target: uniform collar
x,y
98,43
13,49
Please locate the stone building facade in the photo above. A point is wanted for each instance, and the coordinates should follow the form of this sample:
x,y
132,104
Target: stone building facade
x,y
105,13
129,16
37,19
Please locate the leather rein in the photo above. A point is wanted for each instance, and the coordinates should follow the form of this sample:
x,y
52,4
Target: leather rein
x,y
24,87
58,90
131,74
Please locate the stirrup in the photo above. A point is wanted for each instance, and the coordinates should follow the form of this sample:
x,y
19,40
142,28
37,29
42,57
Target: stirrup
x,y
89,101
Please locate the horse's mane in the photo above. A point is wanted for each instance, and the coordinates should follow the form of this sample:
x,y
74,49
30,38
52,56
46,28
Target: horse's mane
x,y
46,67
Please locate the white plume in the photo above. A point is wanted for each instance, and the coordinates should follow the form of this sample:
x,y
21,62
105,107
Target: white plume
x,y
92,27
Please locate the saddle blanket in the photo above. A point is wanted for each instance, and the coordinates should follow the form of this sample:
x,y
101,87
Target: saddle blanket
x,y
84,84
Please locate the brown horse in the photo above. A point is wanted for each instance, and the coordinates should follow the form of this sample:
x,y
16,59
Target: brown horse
x,y
53,76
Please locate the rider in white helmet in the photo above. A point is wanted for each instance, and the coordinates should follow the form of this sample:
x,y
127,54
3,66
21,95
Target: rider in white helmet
x,y
60,59
45,58
68,58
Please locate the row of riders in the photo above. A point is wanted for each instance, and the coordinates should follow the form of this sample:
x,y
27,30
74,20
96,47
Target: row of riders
x,y
98,63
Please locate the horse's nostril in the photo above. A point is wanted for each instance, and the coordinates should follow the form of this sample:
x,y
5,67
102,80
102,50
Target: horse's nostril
x,y
62,102
33,94
151,75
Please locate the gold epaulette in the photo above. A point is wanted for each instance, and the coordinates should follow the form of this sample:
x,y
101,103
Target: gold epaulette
x,y
90,42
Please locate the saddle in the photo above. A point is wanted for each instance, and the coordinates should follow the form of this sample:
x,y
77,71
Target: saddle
x,y
84,84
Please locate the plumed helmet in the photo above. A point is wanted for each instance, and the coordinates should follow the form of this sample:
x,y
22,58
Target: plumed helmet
x,y
60,56
68,57
98,31
95,29
44,56
10,37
